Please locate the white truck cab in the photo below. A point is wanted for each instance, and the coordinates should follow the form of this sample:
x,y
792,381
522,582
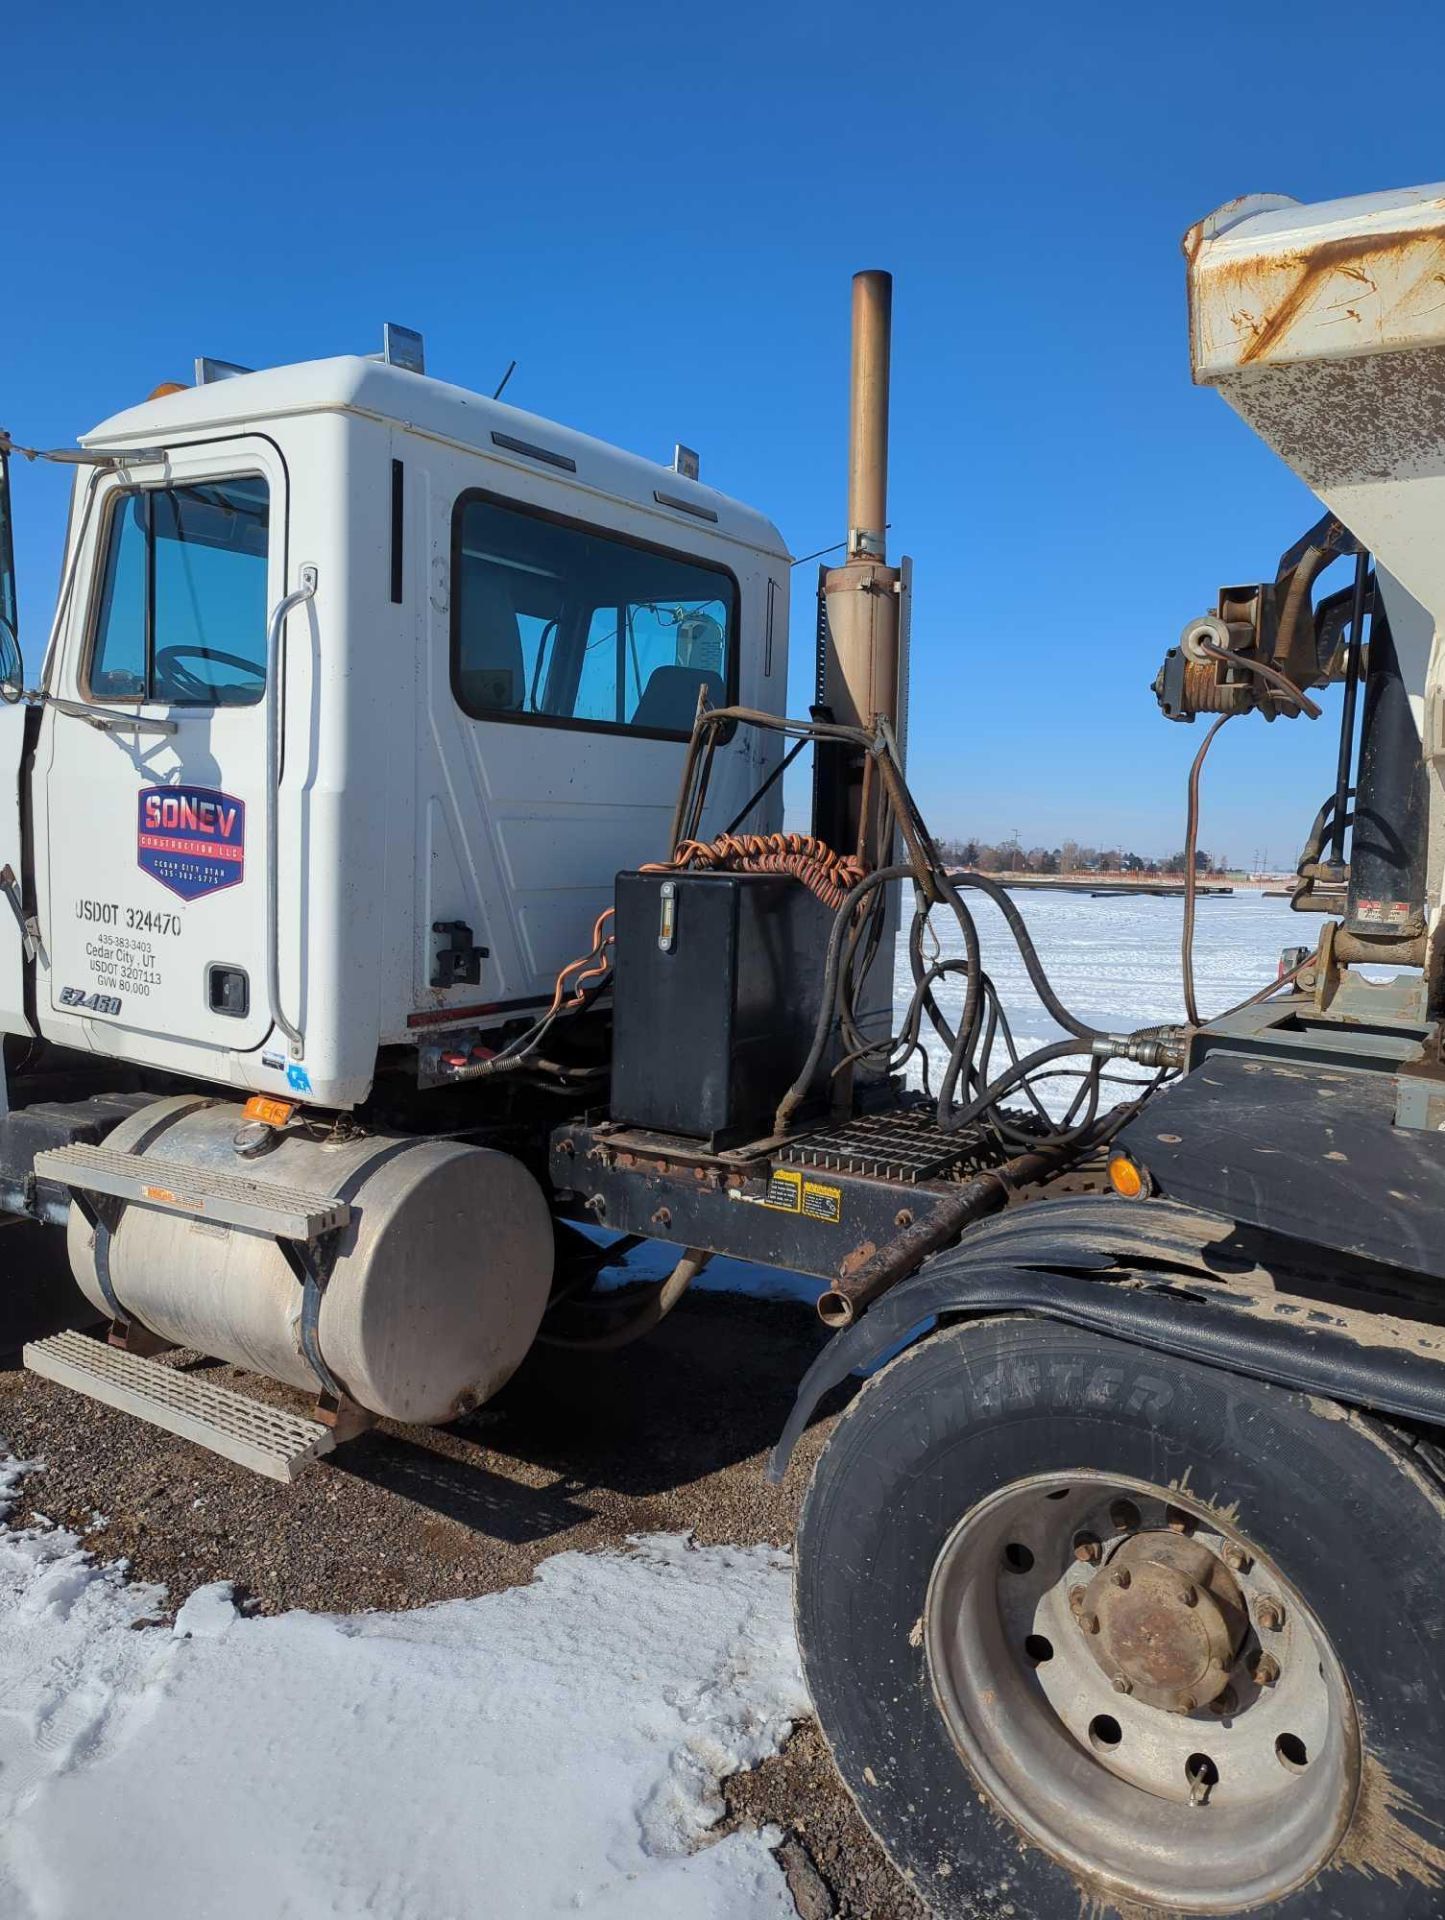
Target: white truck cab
x,y
488,635
361,694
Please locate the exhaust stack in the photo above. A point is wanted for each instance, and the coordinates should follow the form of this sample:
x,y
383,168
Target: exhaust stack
x,y
859,673
863,634
868,416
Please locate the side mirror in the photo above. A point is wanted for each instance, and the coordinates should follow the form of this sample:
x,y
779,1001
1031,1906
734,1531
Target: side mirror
x,y
12,672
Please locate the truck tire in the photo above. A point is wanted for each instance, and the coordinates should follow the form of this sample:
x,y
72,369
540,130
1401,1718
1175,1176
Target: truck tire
x,y
1250,1720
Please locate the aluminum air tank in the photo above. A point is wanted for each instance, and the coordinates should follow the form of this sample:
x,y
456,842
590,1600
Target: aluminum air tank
x,y
440,1279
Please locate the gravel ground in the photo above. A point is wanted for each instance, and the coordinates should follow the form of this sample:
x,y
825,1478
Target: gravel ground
x,y
667,1435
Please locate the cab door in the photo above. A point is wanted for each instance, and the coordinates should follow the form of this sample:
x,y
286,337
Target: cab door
x,y
154,750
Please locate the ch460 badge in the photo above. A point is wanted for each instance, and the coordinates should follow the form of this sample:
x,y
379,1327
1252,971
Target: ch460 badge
x,y
84,1001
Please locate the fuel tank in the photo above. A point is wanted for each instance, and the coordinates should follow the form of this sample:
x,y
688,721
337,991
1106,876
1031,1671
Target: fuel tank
x,y
439,1283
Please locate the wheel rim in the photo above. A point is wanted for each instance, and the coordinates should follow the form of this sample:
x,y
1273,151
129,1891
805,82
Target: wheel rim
x,y
1070,1621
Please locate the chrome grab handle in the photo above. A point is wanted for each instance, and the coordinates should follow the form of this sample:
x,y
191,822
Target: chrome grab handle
x,y
274,628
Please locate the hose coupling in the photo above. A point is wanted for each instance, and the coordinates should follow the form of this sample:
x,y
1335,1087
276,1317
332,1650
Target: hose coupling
x,y
1159,1047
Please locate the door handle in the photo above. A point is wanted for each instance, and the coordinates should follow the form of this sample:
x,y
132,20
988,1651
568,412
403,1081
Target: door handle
x,y
274,628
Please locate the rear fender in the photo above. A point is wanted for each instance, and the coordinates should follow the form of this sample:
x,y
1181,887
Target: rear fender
x,y
1165,1276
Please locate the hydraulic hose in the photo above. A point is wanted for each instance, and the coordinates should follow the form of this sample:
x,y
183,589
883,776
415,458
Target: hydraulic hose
x,y
854,941
797,1092
1006,1081
655,1308
1029,954
1191,842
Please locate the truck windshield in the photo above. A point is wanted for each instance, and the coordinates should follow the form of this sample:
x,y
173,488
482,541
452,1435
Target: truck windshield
x,y
182,614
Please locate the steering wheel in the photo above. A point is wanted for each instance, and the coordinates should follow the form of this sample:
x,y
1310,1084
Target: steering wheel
x,y
190,686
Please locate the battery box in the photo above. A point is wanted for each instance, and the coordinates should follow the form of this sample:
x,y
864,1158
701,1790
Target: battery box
x,y
716,987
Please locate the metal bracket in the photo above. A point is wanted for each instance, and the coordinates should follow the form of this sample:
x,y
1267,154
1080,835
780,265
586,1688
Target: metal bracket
x,y
312,1263
28,924
457,963
102,1213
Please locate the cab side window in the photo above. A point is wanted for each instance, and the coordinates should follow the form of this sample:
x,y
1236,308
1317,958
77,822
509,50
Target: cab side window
x,y
181,617
562,625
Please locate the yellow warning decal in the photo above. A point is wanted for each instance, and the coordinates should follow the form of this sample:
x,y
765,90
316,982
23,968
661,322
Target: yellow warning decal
x,y
822,1203
785,1191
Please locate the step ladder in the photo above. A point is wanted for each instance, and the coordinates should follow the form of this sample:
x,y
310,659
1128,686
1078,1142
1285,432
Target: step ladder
x,y
170,1186
268,1440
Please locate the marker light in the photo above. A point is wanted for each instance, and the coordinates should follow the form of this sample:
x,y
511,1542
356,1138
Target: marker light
x,y
1125,1178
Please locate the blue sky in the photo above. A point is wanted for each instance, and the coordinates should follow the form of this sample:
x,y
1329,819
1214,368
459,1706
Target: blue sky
x,y
656,210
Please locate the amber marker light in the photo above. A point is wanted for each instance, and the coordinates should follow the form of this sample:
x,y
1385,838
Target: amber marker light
x,y
1125,1178
271,1113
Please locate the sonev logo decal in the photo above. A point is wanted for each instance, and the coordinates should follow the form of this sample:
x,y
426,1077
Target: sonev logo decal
x,y
191,839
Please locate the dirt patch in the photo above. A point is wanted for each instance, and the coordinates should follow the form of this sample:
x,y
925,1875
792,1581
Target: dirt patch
x,y
578,1452
835,1868
669,1435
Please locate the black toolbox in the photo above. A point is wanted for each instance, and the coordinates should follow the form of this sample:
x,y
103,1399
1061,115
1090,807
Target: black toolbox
x,y
716,989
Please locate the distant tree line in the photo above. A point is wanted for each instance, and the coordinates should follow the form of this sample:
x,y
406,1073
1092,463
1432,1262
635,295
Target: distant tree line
x,y
1011,856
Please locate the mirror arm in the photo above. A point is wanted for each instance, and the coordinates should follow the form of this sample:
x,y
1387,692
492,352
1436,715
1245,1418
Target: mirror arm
x,y
104,719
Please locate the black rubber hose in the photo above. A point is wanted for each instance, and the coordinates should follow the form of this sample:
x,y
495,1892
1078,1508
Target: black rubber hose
x,y
828,1000
1029,954
962,1116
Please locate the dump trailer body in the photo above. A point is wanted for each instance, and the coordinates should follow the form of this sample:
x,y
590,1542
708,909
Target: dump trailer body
x,y
1323,327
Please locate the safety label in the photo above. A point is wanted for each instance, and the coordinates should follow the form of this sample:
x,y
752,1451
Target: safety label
x,y
1383,913
785,1191
191,839
822,1202
789,1192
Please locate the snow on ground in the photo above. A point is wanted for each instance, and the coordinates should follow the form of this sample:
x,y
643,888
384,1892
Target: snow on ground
x,y
554,1749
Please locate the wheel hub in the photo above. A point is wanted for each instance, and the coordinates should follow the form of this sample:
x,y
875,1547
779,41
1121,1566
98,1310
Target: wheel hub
x,y
1165,1619
1141,1691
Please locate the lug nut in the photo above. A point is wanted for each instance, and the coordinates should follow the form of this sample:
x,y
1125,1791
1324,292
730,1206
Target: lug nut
x,y
1089,1622
1122,1683
1185,1703
1076,1599
1124,1515
1225,1702
1269,1612
1265,1670
1188,1596
1120,1576
1234,1557
1087,1547
1178,1521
